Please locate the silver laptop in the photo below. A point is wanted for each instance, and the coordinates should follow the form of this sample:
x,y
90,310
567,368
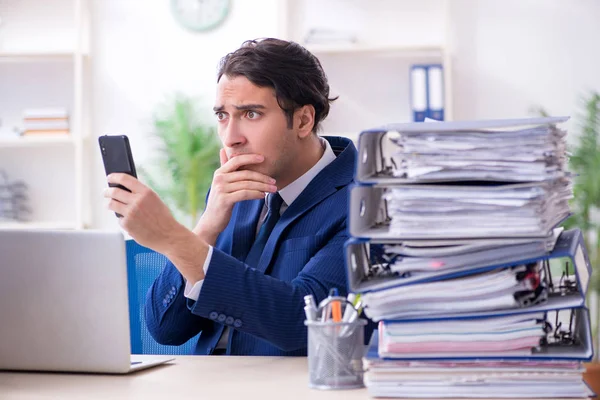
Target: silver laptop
x,y
64,303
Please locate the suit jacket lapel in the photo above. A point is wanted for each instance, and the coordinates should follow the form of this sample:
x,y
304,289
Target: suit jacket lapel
x,y
339,173
307,200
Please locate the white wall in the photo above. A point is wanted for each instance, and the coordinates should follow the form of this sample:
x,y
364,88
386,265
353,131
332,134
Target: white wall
x,y
511,55
383,22
140,55
31,25
508,56
372,87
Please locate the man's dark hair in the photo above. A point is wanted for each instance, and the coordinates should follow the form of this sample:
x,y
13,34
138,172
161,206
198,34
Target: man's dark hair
x,y
293,72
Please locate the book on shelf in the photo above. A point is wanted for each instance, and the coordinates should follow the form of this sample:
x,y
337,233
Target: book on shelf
x,y
45,113
46,125
45,121
46,132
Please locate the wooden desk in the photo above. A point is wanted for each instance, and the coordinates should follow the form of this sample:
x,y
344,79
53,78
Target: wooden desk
x,y
188,377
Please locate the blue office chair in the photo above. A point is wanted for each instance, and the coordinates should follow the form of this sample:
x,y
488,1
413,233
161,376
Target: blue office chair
x,y
143,266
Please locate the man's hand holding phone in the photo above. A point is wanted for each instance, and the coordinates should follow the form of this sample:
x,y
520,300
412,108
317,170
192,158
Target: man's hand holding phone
x,y
231,185
144,216
150,223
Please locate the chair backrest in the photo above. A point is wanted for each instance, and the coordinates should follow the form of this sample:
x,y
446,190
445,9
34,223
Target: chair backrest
x,y
143,266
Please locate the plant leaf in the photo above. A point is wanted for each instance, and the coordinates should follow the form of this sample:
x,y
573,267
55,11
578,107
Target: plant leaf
x,y
189,155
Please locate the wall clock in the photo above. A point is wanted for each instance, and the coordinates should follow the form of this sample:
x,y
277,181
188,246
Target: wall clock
x,y
200,15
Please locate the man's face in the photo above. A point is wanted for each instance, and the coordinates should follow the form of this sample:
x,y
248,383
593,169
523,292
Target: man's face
x,y
251,121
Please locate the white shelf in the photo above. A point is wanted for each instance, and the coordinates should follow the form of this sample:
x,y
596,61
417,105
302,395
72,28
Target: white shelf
x,y
37,56
371,75
387,50
36,141
45,50
53,225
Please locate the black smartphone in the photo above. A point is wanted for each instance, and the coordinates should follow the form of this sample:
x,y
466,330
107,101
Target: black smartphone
x,y
117,157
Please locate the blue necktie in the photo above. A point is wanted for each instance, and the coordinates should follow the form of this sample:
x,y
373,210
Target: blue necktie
x,y
274,202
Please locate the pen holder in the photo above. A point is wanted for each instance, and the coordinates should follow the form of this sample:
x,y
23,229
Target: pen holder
x,y
335,352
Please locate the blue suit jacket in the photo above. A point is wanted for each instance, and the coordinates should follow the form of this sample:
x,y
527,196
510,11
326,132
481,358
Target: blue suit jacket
x,y
263,306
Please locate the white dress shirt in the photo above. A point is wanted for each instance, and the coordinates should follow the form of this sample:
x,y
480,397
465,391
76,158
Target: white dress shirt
x,y
288,194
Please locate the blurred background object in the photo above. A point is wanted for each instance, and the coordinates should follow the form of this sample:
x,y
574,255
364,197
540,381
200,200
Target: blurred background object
x,y
107,63
200,15
584,162
13,200
189,154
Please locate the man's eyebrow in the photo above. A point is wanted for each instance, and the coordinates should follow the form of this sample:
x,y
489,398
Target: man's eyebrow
x,y
250,107
242,107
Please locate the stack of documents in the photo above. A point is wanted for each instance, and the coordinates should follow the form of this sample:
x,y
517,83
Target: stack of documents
x,y
513,335
459,255
508,155
512,287
473,378
527,355
488,210
480,285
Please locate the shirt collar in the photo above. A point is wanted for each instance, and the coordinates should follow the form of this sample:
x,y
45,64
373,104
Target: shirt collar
x,y
293,190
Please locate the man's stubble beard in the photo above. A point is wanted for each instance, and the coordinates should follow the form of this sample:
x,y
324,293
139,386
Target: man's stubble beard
x,y
287,154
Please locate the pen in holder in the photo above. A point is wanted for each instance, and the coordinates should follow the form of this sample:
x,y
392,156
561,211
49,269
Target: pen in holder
x,y
335,345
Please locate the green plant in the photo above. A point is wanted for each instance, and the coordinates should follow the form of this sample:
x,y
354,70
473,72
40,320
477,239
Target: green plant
x,y
584,162
189,150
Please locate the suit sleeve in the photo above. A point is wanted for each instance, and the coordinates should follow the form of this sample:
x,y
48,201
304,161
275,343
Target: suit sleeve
x,y
168,317
266,307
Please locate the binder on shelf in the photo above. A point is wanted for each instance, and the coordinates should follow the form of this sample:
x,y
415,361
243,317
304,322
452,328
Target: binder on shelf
x,y
565,335
565,271
376,165
418,92
427,92
435,92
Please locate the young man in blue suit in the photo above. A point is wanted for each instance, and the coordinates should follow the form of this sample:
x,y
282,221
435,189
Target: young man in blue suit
x,y
275,220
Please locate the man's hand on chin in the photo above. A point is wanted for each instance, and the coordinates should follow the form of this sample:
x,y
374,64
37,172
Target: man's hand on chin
x,y
150,223
233,182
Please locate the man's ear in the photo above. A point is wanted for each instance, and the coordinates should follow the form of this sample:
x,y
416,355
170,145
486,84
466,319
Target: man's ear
x,y
304,120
